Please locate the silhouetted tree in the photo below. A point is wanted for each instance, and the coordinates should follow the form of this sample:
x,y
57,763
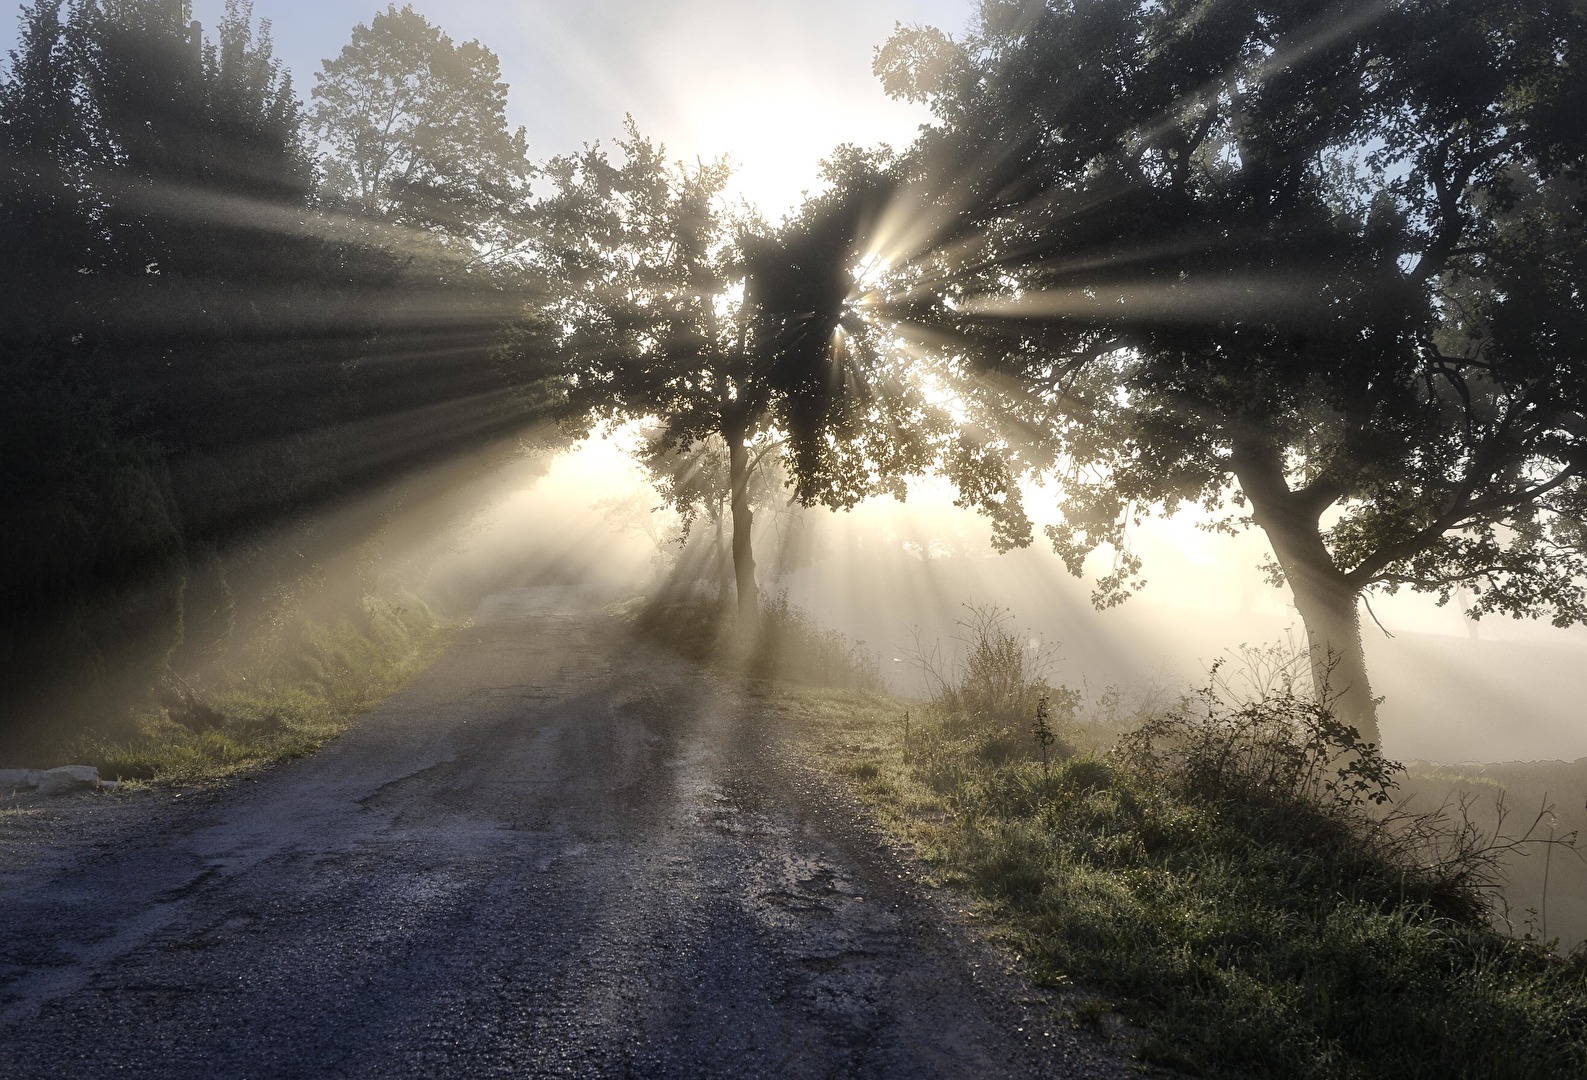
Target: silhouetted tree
x,y
1316,264
191,348
663,304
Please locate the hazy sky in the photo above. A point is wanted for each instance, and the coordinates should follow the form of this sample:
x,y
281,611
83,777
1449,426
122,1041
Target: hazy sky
x,y
776,83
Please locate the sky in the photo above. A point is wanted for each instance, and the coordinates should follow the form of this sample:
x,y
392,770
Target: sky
x,y
776,82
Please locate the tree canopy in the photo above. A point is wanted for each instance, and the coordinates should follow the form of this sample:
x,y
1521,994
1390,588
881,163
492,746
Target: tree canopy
x,y
192,348
1317,266
664,303
417,128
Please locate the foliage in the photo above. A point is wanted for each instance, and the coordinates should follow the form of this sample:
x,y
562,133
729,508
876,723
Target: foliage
x,y
1297,262
1000,680
1042,730
418,134
193,348
1207,882
667,306
91,583
639,258
1283,744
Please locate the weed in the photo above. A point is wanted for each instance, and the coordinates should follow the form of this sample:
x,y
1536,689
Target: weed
x,y
1090,1012
1042,730
1236,877
285,705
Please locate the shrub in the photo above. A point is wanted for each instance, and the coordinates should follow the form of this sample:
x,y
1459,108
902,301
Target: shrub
x,y
997,692
1237,877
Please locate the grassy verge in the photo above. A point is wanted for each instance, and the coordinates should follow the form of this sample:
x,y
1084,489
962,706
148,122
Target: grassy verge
x,y
287,701
1250,922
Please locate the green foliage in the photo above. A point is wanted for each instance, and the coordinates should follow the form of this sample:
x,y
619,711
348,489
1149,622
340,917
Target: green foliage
x,y
1292,262
1285,744
1227,880
743,347
187,346
91,582
1042,731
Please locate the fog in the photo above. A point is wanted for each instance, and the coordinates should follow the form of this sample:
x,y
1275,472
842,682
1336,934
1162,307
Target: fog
x,y
1454,690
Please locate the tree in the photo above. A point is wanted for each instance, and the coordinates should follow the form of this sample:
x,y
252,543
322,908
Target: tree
x,y
45,150
126,147
663,304
1315,265
182,341
417,129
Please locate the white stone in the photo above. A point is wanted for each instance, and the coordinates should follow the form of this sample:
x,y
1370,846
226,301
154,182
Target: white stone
x,y
68,778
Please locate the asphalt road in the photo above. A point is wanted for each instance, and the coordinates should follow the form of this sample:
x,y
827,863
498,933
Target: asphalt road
x,y
560,852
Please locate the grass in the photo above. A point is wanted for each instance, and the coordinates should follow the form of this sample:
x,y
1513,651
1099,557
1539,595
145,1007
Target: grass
x,y
1248,919
296,694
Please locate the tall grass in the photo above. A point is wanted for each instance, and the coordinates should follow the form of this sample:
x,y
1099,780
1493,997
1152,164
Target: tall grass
x,y
1234,876
292,693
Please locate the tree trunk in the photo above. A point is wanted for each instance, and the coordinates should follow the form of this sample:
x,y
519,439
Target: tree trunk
x,y
722,562
743,519
1339,665
1325,599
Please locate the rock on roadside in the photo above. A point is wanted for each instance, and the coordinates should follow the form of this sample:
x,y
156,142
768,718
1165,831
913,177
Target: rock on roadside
x,y
59,781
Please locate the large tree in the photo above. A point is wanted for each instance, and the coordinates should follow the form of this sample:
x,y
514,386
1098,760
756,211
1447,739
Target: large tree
x,y
126,146
416,126
1318,265
186,340
664,304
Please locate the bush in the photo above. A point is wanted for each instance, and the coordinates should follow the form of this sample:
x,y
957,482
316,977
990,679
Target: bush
x,y
996,693
1237,878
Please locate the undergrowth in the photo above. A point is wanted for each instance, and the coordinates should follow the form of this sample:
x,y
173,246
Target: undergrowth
x,y
1234,875
293,692
791,645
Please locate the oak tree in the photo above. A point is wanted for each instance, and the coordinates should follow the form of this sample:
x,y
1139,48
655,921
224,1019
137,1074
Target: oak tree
x,y
1317,266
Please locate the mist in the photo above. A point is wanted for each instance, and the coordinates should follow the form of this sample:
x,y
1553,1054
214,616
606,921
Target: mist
x,y
1455,690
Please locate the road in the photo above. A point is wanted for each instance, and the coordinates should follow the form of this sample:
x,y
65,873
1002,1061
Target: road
x,y
560,852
